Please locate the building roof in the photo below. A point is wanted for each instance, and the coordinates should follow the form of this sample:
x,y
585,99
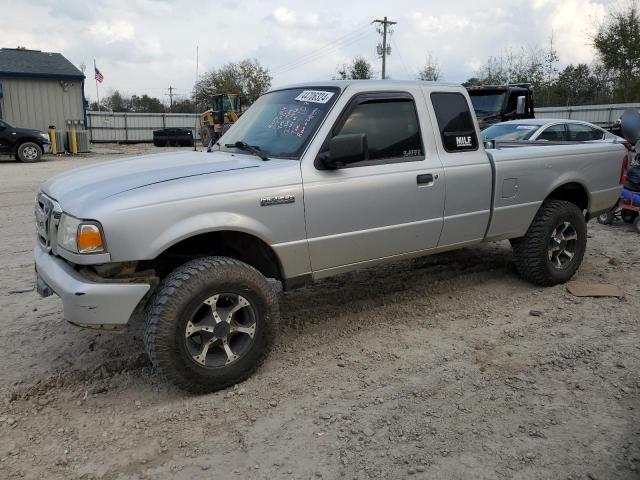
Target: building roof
x,y
36,64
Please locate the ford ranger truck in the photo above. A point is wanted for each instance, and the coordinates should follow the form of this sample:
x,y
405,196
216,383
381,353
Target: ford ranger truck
x,y
313,180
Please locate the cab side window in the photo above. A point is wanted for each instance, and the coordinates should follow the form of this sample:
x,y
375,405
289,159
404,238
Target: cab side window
x,y
454,121
392,129
584,133
554,133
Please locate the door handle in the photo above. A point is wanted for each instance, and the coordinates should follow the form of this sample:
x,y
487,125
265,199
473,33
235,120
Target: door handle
x,y
425,179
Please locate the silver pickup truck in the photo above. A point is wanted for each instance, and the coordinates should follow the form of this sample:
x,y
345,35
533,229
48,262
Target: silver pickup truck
x,y
313,180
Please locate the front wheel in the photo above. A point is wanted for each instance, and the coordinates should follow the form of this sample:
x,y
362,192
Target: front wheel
x,y
553,247
29,152
210,324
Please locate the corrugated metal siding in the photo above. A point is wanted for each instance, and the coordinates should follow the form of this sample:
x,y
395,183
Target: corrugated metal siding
x,y
135,127
603,115
37,104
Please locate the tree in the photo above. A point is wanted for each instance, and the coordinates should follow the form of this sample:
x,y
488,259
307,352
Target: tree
x,y
359,69
146,104
246,77
115,102
575,86
183,105
472,82
430,72
617,42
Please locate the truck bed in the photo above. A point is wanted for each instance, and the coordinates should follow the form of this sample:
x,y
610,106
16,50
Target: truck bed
x,y
525,175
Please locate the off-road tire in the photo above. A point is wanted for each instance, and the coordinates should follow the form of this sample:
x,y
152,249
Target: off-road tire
x,y
628,216
29,152
207,134
168,314
531,251
607,217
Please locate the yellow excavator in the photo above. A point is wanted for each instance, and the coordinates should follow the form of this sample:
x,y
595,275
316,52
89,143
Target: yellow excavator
x,y
224,112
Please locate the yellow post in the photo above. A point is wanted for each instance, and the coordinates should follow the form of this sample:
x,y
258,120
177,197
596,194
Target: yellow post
x,y
74,142
52,138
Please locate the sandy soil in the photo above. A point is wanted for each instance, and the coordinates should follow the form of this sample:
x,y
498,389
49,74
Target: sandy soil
x,y
446,367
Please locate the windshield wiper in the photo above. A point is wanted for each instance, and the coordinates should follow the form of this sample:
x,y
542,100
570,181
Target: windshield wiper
x,y
249,148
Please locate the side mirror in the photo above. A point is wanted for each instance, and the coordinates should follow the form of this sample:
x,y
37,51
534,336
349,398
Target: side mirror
x,y
346,149
521,105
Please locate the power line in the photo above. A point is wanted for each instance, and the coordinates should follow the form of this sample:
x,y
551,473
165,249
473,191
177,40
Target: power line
x,y
404,65
384,50
333,49
343,41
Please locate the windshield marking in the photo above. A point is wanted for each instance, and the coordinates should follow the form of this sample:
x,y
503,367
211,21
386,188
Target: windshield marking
x,y
314,96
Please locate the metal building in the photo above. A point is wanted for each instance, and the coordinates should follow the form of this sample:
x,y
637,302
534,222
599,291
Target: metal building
x,y
38,89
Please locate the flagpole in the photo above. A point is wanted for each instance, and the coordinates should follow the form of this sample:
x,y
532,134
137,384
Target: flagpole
x,y
96,79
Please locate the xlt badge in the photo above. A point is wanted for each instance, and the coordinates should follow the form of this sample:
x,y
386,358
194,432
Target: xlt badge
x,y
277,200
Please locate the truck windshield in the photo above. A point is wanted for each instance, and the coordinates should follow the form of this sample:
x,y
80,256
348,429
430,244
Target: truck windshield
x,y
509,131
487,103
281,123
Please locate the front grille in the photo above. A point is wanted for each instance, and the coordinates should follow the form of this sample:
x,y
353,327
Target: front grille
x,y
47,213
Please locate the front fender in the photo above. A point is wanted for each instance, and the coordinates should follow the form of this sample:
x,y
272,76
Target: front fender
x,y
207,223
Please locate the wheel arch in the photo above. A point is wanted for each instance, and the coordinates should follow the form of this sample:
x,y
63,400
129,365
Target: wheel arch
x,y
571,191
240,245
23,140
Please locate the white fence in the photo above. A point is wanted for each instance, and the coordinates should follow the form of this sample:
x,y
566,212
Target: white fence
x,y
603,115
135,127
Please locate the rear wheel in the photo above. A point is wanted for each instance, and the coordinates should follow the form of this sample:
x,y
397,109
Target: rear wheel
x,y
29,152
553,247
211,323
207,135
628,216
607,217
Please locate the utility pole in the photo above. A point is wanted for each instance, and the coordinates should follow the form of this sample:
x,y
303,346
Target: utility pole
x,y
383,49
170,94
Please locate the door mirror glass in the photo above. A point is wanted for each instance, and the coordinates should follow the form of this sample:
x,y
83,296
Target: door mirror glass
x,y
346,149
521,105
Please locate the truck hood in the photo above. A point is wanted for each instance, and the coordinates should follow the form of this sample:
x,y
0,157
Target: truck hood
x,y
87,185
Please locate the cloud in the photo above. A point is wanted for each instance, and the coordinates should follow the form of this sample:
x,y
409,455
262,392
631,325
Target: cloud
x,y
112,32
284,16
143,46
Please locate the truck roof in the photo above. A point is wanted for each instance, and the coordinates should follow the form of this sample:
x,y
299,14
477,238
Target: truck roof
x,y
376,84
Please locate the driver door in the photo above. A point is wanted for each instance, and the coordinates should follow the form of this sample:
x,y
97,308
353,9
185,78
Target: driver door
x,y
389,205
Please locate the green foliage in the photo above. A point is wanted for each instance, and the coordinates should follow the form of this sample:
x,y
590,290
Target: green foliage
x,y
617,43
359,69
118,102
246,77
430,71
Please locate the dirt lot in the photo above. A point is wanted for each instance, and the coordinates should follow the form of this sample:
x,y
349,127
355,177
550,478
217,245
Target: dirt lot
x,y
446,367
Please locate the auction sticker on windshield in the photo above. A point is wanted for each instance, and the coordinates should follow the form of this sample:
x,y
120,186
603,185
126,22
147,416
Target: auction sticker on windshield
x,y
315,96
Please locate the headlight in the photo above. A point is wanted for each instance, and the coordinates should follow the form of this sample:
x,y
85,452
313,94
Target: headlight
x,y
78,236
44,136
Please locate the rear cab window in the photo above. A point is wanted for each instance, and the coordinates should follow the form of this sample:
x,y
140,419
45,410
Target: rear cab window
x,y
455,122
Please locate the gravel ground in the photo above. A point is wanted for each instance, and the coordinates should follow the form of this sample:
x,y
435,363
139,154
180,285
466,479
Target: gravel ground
x,y
445,367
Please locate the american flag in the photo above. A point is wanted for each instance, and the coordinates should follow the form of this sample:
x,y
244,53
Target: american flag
x,y
99,76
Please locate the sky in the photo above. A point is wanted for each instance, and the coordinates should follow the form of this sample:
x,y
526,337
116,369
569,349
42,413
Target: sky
x,y
145,46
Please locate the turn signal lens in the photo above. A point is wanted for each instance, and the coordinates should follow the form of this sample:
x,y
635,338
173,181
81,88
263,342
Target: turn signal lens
x,y
89,239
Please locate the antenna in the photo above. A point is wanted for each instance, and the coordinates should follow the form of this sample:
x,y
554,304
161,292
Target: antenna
x,y
195,102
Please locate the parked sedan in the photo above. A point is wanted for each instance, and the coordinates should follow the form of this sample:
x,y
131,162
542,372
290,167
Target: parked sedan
x,y
548,130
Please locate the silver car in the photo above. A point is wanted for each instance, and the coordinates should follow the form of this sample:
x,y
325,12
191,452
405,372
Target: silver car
x,y
548,130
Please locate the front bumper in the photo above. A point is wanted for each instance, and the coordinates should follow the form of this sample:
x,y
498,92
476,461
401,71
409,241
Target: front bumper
x,y
86,303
